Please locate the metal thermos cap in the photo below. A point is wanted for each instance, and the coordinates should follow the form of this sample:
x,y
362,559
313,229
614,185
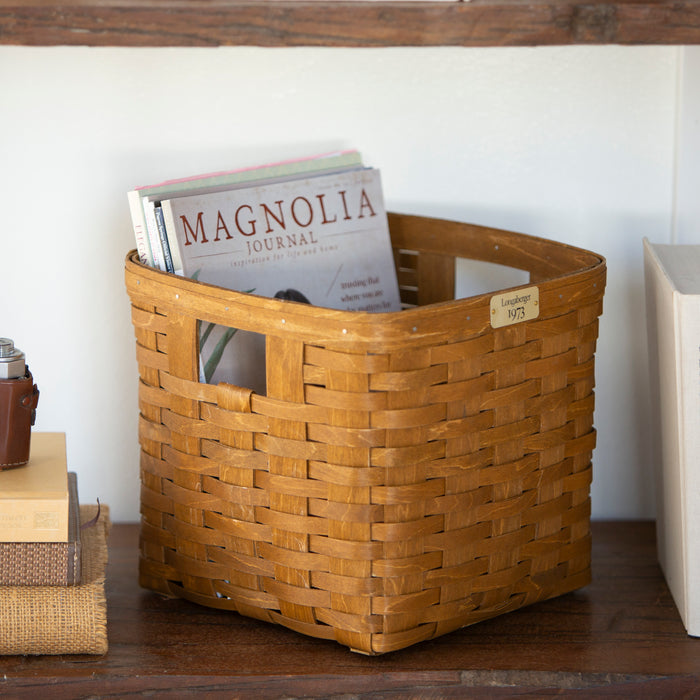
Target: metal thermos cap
x,y
11,360
8,350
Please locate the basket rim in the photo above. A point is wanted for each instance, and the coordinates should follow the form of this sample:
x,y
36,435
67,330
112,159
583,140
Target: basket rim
x,y
213,303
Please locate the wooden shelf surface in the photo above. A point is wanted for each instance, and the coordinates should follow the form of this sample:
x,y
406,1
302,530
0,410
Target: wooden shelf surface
x,y
619,636
340,23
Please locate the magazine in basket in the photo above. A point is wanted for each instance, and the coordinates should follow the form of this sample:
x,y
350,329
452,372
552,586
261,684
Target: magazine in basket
x,y
321,239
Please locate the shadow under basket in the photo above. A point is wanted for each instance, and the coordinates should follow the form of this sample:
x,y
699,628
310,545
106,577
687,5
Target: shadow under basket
x,y
406,473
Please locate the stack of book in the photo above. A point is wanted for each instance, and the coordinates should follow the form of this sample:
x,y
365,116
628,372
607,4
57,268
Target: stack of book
x,y
52,558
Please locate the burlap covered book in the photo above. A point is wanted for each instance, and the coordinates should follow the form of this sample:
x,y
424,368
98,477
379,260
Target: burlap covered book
x,y
62,619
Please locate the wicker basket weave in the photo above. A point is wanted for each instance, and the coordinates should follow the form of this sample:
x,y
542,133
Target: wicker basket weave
x,y
406,474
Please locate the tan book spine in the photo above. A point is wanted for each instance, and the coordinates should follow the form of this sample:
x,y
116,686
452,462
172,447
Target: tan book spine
x,y
34,497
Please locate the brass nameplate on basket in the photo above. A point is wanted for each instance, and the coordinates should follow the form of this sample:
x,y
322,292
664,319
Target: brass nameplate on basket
x,y
514,307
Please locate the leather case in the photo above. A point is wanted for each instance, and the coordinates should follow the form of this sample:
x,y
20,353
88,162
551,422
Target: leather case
x,y
18,402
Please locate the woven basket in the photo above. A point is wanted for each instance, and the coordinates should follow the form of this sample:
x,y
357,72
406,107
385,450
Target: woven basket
x,y
406,473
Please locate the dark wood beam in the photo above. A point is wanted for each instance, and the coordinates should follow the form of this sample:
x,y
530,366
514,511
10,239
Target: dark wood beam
x,y
351,24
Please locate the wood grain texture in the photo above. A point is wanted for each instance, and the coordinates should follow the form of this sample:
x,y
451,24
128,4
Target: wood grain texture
x,y
340,23
620,636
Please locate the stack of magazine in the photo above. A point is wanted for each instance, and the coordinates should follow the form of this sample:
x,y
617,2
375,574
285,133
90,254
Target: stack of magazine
x,y
312,230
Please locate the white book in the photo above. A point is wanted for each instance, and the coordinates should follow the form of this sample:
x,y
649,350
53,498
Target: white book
x,y
672,278
324,240
138,223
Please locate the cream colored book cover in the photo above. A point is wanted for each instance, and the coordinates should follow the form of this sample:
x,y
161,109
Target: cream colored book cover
x,y
672,274
34,497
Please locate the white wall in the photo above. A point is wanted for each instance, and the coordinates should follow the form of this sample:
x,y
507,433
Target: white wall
x,y
575,144
686,224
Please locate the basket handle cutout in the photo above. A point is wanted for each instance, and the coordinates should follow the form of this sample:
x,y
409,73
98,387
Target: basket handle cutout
x,y
233,356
